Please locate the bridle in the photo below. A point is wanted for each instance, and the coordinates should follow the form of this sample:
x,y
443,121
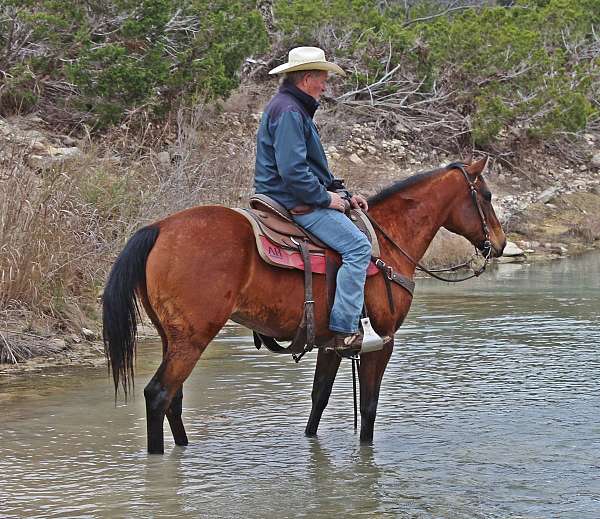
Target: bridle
x,y
486,249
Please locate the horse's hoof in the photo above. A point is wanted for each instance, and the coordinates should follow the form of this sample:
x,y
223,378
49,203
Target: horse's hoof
x,y
156,451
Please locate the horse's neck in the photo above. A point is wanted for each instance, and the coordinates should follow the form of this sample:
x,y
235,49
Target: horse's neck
x,y
412,217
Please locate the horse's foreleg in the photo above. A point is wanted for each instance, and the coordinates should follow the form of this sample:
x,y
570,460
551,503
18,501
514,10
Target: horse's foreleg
x,y
325,372
372,367
164,395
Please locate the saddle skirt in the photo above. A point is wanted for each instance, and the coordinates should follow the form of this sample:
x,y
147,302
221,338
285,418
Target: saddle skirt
x,y
277,236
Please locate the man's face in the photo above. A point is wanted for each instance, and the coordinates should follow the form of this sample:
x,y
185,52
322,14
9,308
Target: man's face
x,y
314,83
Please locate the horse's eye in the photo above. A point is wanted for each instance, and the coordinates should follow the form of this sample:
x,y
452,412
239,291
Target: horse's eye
x,y
488,196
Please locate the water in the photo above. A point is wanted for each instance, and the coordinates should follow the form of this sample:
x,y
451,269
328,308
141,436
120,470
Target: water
x,y
489,409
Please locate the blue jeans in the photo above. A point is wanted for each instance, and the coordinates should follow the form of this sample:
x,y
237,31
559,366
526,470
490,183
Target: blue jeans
x,y
338,232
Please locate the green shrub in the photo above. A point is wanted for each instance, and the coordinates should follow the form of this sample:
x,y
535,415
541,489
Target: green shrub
x,y
500,65
126,55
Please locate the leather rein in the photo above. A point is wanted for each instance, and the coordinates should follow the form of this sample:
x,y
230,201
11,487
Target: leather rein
x,y
487,245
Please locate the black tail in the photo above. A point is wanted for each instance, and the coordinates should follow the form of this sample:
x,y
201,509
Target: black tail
x,y
119,304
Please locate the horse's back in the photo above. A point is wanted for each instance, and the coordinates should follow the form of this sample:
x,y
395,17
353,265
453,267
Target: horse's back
x,y
202,254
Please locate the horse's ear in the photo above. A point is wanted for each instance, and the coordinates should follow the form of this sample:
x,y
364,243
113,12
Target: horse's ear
x,y
478,167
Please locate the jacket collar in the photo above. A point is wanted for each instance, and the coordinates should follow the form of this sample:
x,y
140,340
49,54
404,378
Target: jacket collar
x,y
308,102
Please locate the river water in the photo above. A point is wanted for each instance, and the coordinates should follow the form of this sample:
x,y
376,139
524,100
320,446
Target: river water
x,y
490,408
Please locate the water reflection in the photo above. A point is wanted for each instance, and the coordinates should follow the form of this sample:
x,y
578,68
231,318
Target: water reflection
x,y
489,409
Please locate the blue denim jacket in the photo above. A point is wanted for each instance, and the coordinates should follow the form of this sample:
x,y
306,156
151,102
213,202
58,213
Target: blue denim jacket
x,y
291,165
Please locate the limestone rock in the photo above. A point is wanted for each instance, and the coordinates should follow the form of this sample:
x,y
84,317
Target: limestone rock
x,y
511,249
547,195
88,334
69,141
59,344
164,158
63,152
38,146
355,159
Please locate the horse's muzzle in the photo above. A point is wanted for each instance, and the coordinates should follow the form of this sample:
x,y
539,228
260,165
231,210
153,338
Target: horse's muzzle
x,y
489,250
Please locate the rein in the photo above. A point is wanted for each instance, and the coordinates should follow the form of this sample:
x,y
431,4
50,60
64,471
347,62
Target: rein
x,y
487,246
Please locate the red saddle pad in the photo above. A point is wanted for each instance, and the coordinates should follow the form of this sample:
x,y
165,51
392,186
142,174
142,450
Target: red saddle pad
x,y
293,259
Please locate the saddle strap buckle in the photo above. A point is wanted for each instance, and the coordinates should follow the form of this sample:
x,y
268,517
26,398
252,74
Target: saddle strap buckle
x,y
389,272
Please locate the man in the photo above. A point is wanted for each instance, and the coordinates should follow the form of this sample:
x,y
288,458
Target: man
x,y
291,167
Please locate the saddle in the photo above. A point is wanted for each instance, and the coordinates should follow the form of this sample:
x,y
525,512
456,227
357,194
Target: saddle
x,y
278,237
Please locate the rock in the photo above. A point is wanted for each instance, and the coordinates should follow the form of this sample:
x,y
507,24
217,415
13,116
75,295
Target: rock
x,y
547,195
355,159
511,249
63,152
38,146
37,162
145,330
59,344
75,338
164,158
88,334
595,162
371,150
34,119
335,156
68,141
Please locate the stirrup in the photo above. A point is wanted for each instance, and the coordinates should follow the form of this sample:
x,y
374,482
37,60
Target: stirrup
x,y
371,341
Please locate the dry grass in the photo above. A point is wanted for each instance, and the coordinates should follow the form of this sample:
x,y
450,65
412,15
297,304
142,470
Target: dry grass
x,y
61,227
587,230
48,236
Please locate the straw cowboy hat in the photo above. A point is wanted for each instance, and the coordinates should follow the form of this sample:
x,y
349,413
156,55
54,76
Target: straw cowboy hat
x,y
307,58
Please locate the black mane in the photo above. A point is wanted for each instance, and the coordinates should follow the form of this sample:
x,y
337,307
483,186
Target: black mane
x,y
400,185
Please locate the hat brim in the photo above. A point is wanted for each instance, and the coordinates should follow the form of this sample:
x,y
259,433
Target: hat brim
x,y
315,65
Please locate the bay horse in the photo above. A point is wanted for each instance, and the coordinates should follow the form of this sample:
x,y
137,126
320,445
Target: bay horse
x,y
195,269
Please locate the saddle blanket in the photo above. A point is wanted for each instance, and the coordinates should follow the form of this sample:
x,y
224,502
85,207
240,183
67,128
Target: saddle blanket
x,y
288,258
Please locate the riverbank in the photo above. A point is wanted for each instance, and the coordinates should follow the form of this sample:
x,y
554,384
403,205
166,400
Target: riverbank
x,y
100,190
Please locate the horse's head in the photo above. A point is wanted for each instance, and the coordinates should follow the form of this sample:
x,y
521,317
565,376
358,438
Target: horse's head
x,y
473,216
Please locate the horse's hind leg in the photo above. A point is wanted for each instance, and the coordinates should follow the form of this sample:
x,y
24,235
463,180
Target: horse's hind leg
x,y
174,410
174,417
372,367
164,393
325,372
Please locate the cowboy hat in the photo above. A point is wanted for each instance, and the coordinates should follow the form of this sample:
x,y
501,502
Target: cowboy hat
x,y
307,58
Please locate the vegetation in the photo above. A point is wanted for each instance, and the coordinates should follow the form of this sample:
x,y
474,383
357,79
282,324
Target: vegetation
x,y
470,72
100,61
464,71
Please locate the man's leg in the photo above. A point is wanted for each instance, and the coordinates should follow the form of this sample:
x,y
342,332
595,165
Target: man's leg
x,y
338,232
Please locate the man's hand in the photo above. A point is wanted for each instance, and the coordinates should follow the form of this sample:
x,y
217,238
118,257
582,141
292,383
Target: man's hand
x,y
337,202
359,202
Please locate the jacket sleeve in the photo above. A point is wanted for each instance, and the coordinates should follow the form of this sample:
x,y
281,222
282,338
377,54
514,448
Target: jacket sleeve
x,y
290,153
